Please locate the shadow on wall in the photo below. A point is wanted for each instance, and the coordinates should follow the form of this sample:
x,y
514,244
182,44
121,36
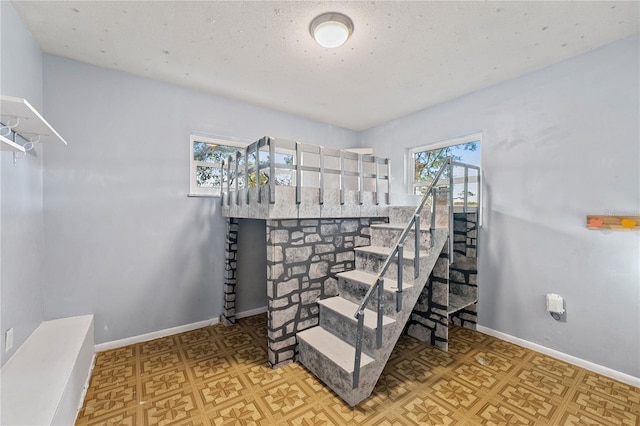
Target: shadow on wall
x,y
251,278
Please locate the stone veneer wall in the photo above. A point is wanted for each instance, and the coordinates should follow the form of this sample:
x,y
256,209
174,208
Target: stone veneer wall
x,y
231,257
303,258
463,273
428,321
465,232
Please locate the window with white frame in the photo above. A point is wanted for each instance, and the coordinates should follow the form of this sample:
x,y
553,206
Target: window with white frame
x,y
207,153
424,162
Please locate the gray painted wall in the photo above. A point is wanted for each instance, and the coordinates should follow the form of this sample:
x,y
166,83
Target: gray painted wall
x,y
123,240
251,288
558,144
21,217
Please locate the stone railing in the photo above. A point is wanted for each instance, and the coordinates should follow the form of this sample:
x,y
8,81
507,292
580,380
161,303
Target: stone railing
x,y
278,179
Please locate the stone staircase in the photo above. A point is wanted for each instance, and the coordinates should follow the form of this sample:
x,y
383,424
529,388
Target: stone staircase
x,y
329,349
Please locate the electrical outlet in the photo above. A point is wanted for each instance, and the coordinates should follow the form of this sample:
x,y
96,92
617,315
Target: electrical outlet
x,y
555,304
8,340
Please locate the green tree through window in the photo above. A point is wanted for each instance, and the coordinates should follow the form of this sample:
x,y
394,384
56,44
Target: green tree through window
x,y
426,162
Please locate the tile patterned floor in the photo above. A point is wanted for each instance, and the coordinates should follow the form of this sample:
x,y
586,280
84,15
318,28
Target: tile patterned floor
x,y
219,376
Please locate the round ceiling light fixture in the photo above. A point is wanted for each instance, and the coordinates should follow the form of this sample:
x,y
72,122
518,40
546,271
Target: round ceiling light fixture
x,y
331,29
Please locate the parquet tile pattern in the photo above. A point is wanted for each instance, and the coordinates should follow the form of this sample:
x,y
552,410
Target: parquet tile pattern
x,y
219,376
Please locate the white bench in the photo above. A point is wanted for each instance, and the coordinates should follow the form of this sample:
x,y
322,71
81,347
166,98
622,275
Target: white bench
x,y
44,381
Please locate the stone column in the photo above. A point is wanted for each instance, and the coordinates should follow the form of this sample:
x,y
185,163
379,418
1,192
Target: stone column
x,y
231,256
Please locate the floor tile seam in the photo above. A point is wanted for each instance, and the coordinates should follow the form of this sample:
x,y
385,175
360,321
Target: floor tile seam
x,y
145,395
92,389
551,396
451,407
498,402
93,402
563,408
213,413
263,406
108,371
608,396
624,409
97,367
200,404
554,402
338,420
87,419
401,411
83,420
580,411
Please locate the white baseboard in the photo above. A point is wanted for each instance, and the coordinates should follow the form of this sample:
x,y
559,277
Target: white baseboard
x,y
251,312
588,365
154,335
170,331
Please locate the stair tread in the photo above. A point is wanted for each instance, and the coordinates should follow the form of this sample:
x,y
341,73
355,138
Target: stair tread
x,y
397,226
367,279
385,251
459,301
334,348
348,309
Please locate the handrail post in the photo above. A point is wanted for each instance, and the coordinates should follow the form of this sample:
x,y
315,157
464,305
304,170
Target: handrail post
x,y
450,210
399,292
466,188
222,193
432,228
388,180
235,177
399,289
298,173
258,171
229,180
246,174
321,192
361,179
359,333
272,171
416,259
380,312
377,171
341,177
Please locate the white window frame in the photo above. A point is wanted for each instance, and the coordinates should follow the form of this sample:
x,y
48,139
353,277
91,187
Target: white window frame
x,y
410,159
194,189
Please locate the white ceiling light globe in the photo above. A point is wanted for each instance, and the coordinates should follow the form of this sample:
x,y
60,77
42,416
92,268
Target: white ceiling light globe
x,y
331,29
331,34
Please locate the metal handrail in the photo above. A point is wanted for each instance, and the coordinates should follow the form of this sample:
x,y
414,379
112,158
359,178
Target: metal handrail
x,y
232,169
378,284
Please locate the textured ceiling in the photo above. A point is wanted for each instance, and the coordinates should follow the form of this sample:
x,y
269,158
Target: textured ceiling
x,y
402,57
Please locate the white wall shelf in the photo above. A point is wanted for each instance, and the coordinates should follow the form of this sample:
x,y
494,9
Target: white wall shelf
x,y
26,121
8,145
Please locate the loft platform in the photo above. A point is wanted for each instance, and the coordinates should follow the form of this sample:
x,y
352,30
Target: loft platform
x,y
300,181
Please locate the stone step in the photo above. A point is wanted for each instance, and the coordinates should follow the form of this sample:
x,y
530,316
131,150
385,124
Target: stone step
x,y
337,315
371,258
353,285
386,235
331,359
401,215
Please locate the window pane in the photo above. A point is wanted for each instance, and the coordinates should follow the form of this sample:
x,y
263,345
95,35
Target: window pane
x,y
428,162
212,153
208,177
